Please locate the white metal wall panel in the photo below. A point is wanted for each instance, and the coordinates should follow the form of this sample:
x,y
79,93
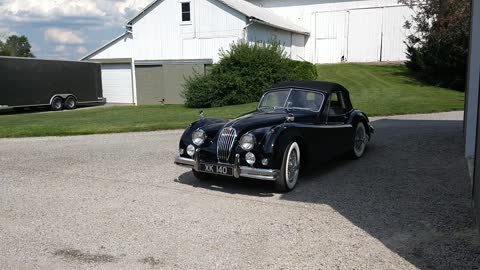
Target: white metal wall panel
x,y
161,35
308,12
394,34
117,83
298,47
331,36
264,34
364,35
206,48
122,48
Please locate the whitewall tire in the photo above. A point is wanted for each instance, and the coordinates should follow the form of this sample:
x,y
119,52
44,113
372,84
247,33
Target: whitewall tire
x,y
360,140
290,169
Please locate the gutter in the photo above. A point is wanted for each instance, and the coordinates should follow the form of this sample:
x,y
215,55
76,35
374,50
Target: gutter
x,y
253,19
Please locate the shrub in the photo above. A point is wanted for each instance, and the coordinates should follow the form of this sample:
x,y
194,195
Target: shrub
x,y
242,74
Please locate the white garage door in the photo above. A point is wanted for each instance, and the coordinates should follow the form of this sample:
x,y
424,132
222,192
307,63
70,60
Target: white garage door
x,y
365,35
117,83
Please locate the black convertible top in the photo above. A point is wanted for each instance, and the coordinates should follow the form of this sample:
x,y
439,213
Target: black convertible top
x,y
327,87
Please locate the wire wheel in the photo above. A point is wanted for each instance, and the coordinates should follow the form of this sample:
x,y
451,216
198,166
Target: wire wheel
x,y
292,170
360,140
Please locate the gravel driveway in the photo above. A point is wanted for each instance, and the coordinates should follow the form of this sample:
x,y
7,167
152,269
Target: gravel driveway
x,y
118,202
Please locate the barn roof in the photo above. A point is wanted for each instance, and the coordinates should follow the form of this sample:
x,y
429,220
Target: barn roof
x,y
255,13
264,16
327,87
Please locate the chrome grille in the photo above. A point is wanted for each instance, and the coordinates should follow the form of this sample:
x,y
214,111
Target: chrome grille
x,y
225,143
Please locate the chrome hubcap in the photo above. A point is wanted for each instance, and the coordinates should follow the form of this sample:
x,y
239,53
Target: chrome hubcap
x,y
292,166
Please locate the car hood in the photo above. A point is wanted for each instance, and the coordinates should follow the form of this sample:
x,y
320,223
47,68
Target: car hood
x,y
247,122
257,120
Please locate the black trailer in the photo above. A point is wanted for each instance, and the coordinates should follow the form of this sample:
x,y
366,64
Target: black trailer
x,y
28,82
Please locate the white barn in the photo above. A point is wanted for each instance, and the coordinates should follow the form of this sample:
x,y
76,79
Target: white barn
x,y
171,39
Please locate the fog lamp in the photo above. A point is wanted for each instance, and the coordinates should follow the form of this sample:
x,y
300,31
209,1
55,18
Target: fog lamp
x,y
250,158
265,161
181,151
191,150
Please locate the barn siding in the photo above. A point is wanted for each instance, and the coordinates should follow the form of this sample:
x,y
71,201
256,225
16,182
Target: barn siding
x,y
260,33
361,31
161,35
122,48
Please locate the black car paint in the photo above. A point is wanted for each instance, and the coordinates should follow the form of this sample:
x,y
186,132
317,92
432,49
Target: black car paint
x,y
319,139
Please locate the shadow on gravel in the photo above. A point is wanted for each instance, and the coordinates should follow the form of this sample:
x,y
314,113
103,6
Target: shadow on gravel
x,y
228,185
411,191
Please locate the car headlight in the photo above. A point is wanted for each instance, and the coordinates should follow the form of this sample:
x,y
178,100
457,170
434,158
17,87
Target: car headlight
x,y
198,137
247,142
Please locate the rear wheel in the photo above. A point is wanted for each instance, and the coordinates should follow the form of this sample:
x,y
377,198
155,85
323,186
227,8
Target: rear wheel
x,y
360,139
290,169
201,176
57,104
70,103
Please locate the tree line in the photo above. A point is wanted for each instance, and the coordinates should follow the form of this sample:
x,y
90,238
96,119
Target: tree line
x,y
16,46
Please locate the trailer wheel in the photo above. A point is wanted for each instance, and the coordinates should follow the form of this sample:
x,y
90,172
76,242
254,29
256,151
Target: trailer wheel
x,y
70,103
57,104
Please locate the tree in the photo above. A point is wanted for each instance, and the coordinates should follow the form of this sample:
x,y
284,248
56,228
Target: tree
x,y
16,46
437,49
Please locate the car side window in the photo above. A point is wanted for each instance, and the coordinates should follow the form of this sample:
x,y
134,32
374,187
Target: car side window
x,y
346,101
336,106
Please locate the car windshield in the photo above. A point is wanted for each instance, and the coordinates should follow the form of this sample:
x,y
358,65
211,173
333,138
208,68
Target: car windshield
x,y
292,99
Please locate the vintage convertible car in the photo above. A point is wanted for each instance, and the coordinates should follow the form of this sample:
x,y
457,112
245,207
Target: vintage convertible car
x,y
295,123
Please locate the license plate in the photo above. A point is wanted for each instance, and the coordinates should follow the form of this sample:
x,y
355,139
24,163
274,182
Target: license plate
x,y
216,169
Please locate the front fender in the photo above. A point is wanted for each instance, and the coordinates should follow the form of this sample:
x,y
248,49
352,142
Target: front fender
x,y
278,139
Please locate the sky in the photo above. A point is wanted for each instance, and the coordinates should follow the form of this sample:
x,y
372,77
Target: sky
x,y
66,29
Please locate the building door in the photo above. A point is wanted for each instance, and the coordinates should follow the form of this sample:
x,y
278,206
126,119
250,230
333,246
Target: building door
x,y
364,35
150,80
117,83
331,36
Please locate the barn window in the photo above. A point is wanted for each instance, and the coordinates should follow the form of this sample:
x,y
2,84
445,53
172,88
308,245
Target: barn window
x,y
186,12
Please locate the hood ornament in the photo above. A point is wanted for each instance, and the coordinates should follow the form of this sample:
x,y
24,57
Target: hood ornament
x,y
202,115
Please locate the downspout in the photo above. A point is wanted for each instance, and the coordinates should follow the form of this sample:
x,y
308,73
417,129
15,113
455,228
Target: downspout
x,y
132,64
244,30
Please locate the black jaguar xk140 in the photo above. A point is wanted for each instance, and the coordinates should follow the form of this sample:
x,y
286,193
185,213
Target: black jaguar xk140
x,y
295,123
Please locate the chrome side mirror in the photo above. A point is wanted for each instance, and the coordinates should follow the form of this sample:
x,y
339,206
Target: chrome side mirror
x,y
290,118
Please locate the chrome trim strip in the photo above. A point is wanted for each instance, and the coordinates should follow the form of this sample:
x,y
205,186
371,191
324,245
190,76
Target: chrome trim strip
x,y
261,174
327,126
186,162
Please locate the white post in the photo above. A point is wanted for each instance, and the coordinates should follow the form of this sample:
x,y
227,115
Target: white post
x,y
473,82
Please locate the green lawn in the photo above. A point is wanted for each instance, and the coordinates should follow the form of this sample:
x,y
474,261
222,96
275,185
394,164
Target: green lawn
x,y
376,89
388,90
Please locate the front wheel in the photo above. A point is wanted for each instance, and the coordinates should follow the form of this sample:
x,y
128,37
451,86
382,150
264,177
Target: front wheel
x,y
360,139
290,169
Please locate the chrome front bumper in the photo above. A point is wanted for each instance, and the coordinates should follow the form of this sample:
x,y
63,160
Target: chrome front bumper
x,y
238,171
